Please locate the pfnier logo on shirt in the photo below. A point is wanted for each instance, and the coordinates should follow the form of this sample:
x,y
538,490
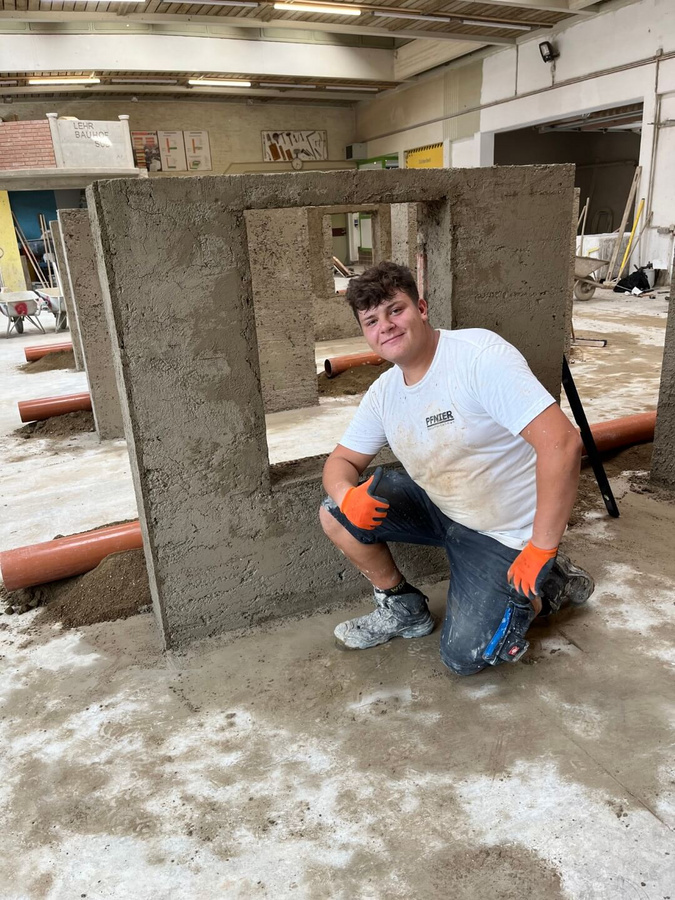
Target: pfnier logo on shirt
x,y
440,419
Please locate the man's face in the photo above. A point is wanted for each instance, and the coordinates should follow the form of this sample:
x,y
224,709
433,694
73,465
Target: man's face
x,y
397,329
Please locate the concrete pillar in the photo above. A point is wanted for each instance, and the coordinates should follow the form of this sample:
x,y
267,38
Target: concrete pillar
x,y
283,300
228,540
663,457
82,274
381,225
66,291
404,235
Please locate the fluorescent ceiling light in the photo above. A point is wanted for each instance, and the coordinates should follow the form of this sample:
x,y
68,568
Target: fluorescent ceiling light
x,y
144,81
212,82
404,15
248,3
64,80
8,83
278,84
496,25
344,87
332,10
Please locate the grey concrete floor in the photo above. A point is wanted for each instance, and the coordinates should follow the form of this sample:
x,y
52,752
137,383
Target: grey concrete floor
x,y
273,765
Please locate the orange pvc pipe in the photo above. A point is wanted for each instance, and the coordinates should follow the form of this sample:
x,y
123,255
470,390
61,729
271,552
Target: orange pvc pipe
x,y
622,432
37,352
46,407
338,364
65,557
79,553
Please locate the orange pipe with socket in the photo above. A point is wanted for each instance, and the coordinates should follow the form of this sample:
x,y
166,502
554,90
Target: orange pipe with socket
x,y
338,364
622,432
34,353
79,553
67,556
46,407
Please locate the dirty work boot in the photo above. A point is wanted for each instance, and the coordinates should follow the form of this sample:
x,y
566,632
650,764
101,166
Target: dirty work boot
x,y
401,612
567,586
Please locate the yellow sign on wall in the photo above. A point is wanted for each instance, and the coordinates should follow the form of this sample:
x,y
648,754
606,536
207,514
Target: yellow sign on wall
x,y
429,157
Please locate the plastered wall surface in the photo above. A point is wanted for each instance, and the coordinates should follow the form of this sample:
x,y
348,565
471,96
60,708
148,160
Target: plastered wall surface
x,y
96,345
66,289
230,542
234,127
663,457
279,254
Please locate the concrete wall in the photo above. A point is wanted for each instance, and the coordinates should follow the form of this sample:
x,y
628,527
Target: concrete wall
x,y
279,254
81,263
67,292
234,126
605,166
230,541
663,457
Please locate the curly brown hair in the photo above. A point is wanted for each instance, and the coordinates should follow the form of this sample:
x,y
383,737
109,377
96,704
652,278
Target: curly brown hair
x,y
380,283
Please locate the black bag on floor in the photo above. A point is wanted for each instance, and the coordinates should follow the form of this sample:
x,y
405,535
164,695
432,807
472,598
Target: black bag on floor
x,y
636,279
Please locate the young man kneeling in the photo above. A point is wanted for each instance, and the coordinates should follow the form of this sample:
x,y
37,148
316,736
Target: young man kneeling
x,y
491,467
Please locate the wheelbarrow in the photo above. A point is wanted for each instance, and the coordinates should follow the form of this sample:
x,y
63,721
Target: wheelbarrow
x,y
18,306
584,284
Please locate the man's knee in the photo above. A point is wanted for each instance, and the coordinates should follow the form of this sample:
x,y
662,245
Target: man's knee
x,y
463,665
331,527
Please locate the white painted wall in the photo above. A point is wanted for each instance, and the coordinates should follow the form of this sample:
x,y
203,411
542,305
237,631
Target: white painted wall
x,y
520,90
608,60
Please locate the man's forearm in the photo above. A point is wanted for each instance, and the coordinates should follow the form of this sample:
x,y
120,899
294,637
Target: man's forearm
x,y
557,483
339,475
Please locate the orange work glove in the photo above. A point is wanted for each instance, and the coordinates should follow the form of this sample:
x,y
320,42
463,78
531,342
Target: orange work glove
x,y
363,508
530,569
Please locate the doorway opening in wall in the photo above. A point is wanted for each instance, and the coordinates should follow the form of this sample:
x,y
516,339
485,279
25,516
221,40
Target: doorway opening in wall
x,y
605,147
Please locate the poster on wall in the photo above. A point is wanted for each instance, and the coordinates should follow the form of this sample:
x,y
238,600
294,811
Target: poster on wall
x,y
172,151
146,150
285,146
197,151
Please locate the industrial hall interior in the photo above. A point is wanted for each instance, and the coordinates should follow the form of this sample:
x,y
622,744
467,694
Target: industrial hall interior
x,y
337,449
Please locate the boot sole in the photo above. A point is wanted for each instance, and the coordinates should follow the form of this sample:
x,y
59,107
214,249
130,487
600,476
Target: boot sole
x,y
414,631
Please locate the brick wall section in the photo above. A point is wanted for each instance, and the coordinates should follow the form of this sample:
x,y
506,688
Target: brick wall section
x,y
26,145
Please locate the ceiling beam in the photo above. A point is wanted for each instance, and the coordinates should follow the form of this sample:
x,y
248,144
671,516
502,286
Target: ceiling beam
x,y
145,90
561,6
260,24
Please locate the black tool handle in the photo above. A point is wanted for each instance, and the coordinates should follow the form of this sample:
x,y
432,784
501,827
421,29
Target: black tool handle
x,y
587,438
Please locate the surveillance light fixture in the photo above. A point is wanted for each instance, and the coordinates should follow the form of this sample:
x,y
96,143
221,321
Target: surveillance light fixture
x,y
333,10
403,15
506,25
212,82
83,80
548,51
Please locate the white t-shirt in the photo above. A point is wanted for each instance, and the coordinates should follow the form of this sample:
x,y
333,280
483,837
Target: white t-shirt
x,y
457,431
